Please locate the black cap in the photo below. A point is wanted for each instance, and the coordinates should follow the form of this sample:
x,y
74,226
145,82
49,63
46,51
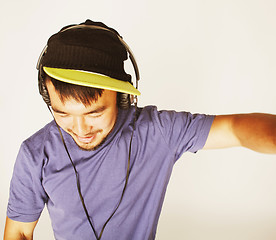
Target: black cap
x,y
82,47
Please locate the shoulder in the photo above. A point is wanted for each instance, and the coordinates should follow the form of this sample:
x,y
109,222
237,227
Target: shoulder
x,y
41,134
35,144
152,114
165,119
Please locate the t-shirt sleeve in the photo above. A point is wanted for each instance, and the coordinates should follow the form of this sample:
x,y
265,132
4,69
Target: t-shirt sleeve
x,y
184,131
27,196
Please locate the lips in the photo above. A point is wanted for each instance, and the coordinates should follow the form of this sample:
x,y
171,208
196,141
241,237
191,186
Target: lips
x,y
85,139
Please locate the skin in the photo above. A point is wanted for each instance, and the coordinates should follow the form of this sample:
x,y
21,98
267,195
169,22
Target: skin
x,y
256,131
89,126
19,230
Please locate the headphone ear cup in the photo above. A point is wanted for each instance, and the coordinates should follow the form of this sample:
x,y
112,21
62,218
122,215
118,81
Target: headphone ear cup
x,y
42,87
123,100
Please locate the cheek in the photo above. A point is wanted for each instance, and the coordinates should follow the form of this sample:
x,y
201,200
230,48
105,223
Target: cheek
x,y
65,123
107,122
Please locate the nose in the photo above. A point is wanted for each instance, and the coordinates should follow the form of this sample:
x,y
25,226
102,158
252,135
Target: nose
x,y
80,127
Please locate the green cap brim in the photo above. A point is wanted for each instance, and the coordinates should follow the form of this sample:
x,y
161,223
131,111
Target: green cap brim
x,y
90,79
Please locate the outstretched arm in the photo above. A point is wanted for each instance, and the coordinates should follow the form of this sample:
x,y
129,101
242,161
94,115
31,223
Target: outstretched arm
x,y
19,230
256,131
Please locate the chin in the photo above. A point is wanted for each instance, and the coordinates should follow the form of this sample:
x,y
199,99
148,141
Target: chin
x,y
90,146
87,147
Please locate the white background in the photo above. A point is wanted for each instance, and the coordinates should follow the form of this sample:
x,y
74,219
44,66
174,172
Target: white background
x,y
213,57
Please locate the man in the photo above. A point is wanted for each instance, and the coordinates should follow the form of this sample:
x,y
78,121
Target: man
x,y
102,167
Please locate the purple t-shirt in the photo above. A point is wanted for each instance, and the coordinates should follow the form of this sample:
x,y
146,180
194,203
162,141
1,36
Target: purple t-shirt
x,y
43,175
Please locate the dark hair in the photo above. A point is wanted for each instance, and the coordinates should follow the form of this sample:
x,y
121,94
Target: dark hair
x,y
85,95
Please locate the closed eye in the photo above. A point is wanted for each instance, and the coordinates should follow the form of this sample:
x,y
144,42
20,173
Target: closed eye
x,y
63,115
94,113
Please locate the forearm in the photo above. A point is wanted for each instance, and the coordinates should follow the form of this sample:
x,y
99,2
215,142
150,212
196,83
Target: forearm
x,y
18,230
17,236
256,131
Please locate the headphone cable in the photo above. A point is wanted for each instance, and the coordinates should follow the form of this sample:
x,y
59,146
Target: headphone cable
x,y
78,182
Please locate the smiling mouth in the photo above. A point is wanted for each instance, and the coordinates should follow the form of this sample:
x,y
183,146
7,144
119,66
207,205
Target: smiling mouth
x,y
86,139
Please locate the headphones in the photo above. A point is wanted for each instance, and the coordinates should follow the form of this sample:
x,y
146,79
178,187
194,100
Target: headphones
x,y
124,100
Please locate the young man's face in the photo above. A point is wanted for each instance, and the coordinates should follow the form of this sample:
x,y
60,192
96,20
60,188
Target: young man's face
x,y
88,125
